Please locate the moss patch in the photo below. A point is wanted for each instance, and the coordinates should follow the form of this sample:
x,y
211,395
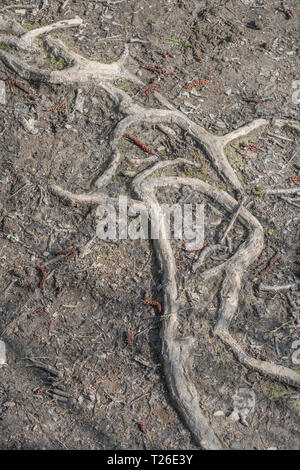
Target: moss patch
x,y
28,26
57,63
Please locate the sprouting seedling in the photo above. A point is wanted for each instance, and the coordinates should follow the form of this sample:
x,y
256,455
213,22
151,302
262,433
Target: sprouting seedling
x,y
173,40
258,191
187,44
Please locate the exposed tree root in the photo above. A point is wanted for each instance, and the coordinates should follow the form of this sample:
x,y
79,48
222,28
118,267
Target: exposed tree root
x,y
176,352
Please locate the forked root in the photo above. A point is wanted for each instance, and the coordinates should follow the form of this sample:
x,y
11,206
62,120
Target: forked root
x,y
176,352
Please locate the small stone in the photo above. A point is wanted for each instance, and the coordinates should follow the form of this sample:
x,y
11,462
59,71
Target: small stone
x,y
29,125
296,354
220,124
243,405
214,11
79,101
20,109
256,23
80,399
10,404
234,416
228,92
219,413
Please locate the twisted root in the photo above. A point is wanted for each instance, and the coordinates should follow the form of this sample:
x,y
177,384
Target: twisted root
x,y
176,352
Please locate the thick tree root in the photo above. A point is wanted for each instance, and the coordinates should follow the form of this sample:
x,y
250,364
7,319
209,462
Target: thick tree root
x,y
176,352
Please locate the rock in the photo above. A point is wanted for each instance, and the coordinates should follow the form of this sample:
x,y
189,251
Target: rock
x,y
10,404
20,109
243,405
228,92
29,125
296,354
113,187
214,11
2,353
219,413
220,124
256,23
79,101
234,416
80,399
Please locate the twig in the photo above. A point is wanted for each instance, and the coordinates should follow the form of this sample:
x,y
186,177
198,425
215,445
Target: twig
x,y
117,38
281,191
290,201
139,398
291,159
232,222
6,289
267,288
204,253
45,367
279,137
19,7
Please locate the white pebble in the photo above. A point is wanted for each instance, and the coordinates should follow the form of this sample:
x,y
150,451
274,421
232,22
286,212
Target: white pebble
x,y
219,413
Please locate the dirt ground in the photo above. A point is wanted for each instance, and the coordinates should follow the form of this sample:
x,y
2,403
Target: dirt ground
x,y
80,320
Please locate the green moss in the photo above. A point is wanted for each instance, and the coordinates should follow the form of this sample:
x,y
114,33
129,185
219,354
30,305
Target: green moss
x,y
235,157
258,191
276,390
3,47
111,60
240,176
124,85
172,40
196,173
57,63
28,26
195,155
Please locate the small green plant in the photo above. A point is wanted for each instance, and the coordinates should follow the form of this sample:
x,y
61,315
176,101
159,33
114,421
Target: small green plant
x,y
187,44
57,63
173,40
258,191
3,46
110,60
29,26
